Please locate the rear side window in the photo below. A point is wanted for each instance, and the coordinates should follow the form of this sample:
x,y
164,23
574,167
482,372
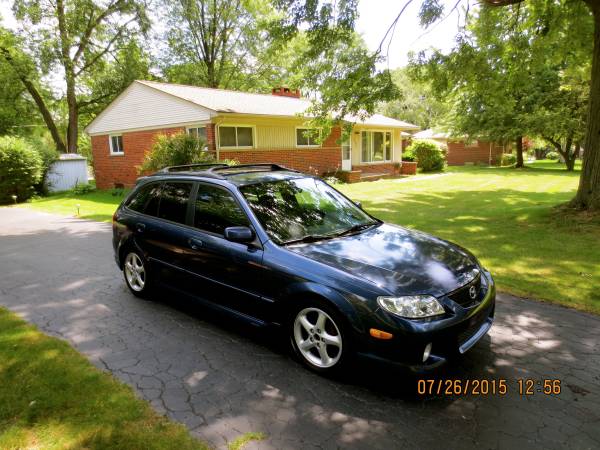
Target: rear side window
x,y
146,200
174,199
216,209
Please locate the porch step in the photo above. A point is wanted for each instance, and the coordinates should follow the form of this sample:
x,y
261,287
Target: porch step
x,y
374,176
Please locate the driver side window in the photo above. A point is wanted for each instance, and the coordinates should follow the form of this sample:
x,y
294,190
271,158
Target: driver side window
x,y
215,209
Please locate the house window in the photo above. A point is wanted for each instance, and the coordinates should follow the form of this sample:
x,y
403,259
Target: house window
x,y
346,148
376,146
116,144
236,137
197,132
307,137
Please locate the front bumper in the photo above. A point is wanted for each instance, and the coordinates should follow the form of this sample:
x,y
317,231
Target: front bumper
x,y
450,336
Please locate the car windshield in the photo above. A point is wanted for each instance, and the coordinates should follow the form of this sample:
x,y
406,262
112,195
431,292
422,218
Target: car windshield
x,y
303,208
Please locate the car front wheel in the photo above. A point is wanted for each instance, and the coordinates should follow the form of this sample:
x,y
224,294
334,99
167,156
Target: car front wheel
x,y
136,274
318,338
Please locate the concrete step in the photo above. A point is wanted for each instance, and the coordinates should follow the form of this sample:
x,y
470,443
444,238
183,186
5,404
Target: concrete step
x,y
374,176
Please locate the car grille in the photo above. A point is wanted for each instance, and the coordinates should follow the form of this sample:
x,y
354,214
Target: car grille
x,y
462,296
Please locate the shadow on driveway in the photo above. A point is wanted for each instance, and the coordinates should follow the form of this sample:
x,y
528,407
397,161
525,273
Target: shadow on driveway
x,y
222,379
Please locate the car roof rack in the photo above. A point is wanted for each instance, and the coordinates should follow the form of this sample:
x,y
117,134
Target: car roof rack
x,y
191,167
245,168
220,170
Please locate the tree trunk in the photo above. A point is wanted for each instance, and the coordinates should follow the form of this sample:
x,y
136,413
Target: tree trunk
x,y
588,193
73,125
569,156
520,152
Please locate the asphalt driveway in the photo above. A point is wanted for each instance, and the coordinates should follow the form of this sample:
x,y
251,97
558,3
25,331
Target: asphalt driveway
x,y
222,380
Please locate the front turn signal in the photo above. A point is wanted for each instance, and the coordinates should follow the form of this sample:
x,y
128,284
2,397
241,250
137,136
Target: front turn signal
x,y
378,334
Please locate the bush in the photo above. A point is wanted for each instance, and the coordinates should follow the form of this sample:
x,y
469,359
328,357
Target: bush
x,y
408,155
553,156
49,155
175,150
429,155
508,159
332,179
83,188
20,169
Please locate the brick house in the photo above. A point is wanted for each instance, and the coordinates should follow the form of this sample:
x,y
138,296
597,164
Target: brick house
x,y
249,128
461,151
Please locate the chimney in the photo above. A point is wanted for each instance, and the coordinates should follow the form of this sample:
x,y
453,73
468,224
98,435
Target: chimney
x,y
286,92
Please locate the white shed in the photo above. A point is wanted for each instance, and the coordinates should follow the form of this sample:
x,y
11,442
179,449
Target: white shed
x,y
68,171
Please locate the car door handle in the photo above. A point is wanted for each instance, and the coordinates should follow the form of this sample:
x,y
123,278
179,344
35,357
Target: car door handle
x,y
140,227
195,244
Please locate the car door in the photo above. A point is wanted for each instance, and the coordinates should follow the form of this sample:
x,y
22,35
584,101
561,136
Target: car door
x,y
141,216
164,236
229,273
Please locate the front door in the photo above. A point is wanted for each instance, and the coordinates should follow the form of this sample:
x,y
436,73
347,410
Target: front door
x,y
227,273
346,154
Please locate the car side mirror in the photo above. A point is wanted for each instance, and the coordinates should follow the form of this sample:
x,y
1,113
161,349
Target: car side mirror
x,y
239,234
359,204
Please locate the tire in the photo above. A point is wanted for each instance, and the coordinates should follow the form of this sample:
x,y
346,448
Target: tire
x,y
319,338
137,274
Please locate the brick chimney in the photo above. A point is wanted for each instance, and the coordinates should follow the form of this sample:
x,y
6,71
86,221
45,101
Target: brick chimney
x,y
286,92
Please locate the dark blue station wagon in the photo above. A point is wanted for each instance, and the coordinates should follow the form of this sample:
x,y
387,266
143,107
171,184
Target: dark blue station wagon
x,y
276,247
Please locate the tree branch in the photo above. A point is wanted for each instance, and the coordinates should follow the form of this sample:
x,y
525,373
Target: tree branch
x,y
106,49
38,99
85,39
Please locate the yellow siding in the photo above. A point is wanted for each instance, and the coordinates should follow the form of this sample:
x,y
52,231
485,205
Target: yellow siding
x,y
270,133
357,143
280,133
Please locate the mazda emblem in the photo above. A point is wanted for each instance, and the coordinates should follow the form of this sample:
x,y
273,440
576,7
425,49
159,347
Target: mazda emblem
x,y
472,292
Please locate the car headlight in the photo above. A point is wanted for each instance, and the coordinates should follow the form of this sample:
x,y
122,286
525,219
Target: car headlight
x,y
412,306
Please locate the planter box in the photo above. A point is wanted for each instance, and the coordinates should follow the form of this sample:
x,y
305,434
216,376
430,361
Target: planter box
x,y
408,168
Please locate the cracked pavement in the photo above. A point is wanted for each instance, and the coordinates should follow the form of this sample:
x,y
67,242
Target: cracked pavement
x,y
222,379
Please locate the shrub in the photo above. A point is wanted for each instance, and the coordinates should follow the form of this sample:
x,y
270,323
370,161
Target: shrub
x,y
553,155
20,169
176,150
508,159
332,179
408,155
429,155
83,188
49,155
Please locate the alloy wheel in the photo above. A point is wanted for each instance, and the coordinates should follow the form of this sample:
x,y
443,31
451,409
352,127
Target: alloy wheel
x,y
317,337
135,272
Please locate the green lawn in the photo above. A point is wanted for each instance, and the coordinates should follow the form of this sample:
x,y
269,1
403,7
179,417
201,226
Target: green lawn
x,y
506,217
96,205
51,397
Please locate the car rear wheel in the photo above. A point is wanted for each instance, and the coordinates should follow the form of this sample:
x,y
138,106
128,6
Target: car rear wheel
x,y
318,338
136,274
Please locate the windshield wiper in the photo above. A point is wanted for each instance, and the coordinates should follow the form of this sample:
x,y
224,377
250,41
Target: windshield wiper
x,y
358,227
310,238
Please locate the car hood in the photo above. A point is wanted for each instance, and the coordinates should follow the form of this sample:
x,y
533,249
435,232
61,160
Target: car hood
x,y
401,261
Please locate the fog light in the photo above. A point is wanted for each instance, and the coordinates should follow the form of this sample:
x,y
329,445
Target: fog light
x,y
427,352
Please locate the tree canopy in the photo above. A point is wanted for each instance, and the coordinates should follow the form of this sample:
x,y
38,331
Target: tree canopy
x,y
527,63
517,72
417,103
